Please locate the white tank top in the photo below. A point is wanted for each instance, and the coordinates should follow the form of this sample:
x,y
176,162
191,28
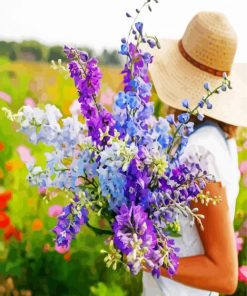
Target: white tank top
x,y
219,157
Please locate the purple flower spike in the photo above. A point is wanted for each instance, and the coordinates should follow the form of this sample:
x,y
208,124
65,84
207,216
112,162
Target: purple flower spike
x,y
87,79
69,223
134,233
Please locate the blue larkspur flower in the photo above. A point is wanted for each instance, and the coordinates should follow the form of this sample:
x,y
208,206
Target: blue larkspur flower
x,y
201,104
148,58
170,118
207,86
139,27
132,100
185,103
124,49
120,100
132,128
200,116
183,117
209,105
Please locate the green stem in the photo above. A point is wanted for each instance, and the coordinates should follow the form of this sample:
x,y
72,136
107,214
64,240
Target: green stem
x,y
100,231
89,181
191,113
133,23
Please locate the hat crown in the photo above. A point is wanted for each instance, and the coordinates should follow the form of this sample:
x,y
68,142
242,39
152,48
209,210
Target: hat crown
x,y
210,40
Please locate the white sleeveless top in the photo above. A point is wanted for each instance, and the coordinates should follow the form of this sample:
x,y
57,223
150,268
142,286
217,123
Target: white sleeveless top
x,y
219,157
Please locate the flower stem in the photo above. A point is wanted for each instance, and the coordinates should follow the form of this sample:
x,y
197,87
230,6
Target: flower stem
x,y
100,231
134,20
191,112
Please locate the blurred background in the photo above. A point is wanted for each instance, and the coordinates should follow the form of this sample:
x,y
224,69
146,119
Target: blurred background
x,y
32,34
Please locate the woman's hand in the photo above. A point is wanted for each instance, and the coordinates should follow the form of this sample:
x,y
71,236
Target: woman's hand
x,y
217,269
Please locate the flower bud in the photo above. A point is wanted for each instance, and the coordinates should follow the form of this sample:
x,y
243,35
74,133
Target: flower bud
x,y
206,86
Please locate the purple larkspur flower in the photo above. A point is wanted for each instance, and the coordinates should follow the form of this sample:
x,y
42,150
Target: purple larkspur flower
x,y
88,110
137,181
178,174
147,57
151,43
70,52
87,78
84,56
139,27
74,69
201,104
173,257
133,233
138,222
69,223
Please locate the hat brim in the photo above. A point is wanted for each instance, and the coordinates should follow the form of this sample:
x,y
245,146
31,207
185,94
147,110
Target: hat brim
x,y
175,79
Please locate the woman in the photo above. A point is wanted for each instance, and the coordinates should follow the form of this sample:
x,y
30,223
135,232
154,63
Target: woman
x,y
208,263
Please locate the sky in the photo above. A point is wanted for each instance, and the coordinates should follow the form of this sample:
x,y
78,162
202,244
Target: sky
x,y
101,23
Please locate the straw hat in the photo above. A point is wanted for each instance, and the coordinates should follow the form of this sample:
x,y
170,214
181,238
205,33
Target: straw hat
x,y
204,53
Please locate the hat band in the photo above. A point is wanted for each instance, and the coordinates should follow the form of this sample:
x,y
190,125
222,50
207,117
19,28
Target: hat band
x,y
198,65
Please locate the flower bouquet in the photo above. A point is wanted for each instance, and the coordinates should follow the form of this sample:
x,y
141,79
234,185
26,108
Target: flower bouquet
x,y
125,165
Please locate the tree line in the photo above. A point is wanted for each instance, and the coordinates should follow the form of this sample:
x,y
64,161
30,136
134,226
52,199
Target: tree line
x,y
33,50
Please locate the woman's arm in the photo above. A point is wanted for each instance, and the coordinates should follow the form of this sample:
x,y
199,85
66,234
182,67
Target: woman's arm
x,y
217,269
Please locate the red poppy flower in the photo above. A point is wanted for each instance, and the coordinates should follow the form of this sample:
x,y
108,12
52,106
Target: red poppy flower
x,y
4,198
4,220
1,146
12,231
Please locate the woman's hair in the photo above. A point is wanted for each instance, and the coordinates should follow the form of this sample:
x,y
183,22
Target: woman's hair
x,y
230,130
